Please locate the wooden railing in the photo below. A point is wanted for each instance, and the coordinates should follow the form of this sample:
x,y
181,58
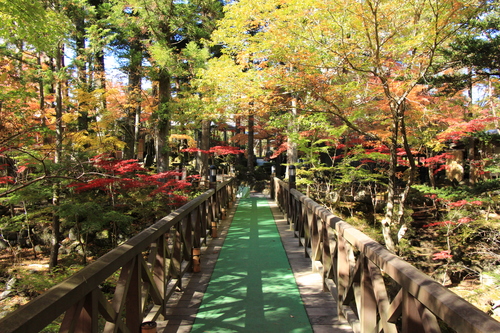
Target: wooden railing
x,y
147,270
376,290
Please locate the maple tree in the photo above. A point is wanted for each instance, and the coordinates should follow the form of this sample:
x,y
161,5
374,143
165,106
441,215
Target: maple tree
x,y
361,62
129,198
119,189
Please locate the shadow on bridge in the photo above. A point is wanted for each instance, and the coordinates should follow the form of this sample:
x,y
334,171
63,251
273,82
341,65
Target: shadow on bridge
x,y
261,283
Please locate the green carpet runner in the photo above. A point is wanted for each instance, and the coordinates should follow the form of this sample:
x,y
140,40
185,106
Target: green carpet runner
x,y
252,288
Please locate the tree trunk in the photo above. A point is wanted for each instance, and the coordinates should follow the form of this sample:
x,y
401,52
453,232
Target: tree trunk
x,y
237,132
100,77
133,111
392,193
250,149
41,93
292,153
205,146
403,227
387,221
430,169
163,123
56,228
84,82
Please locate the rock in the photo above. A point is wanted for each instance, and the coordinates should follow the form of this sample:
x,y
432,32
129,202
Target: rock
x,y
72,235
9,286
45,236
363,196
64,250
495,307
488,279
103,234
5,294
3,244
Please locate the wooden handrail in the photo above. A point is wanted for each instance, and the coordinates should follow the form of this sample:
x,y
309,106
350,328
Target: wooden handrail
x,y
150,266
355,269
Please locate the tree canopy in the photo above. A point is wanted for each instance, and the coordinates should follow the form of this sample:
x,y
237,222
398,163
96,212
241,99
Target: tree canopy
x,y
372,94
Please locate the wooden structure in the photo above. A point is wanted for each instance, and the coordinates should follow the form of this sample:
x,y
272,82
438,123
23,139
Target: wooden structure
x,y
376,291
147,269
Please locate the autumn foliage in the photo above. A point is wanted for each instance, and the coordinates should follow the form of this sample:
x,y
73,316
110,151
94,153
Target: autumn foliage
x,y
114,176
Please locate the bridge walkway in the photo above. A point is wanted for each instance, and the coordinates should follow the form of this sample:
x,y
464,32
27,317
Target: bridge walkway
x,y
245,283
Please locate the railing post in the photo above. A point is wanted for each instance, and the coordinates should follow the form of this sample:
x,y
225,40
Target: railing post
x,y
131,285
292,176
368,315
231,192
213,185
196,220
291,185
342,270
148,327
196,253
271,183
223,203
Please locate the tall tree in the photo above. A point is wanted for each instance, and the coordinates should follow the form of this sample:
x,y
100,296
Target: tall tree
x,y
170,27
473,62
89,38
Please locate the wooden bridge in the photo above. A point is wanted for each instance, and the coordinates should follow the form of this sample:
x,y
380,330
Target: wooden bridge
x,y
347,281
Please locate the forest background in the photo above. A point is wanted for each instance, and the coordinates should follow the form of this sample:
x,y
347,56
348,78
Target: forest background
x,y
388,110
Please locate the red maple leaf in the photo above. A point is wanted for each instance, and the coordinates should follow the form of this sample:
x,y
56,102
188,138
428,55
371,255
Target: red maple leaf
x,y
6,180
194,150
226,150
442,255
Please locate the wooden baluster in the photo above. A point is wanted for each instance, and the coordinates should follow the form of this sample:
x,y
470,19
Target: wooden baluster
x,y
342,268
315,242
196,251
73,318
412,320
159,274
381,297
213,210
289,210
203,216
305,219
326,256
176,253
133,300
368,315
224,202
187,237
